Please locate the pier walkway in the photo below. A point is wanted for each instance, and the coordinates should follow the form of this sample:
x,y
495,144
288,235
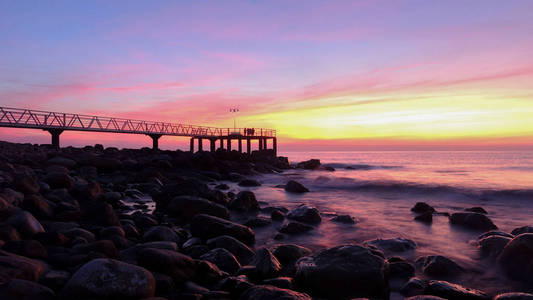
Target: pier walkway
x,y
55,123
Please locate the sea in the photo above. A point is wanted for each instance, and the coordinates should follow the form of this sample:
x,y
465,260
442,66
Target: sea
x,y
378,188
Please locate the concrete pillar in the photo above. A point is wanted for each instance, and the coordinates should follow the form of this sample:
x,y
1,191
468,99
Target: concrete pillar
x,y
248,145
192,145
229,144
260,140
240,145
265,143
275,146
55,136
155,140
221,143
213,144
200,144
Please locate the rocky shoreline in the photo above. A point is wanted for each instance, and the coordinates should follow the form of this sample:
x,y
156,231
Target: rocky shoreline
x,y
79,223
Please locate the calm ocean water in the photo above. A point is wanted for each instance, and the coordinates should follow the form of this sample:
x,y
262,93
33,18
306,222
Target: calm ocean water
x,y
379,188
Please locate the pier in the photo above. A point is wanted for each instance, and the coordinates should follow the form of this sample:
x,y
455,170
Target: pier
x,y
56,123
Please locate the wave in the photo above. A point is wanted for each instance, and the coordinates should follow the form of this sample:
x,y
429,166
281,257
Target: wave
x,y
362,167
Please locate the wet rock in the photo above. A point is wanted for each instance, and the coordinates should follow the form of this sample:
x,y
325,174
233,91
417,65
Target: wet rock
x,y
206,227
267,292
244,201
287,253
393,245
130,230
24,289
108,278
161,233
514,296
174,264
249,183
105,247
343,271
51,238
27,184
424,297
28,248
426,217
280,282
16,266
100,214
58,180
79,232
55,279
493,233
345,219
38,206
414,286
523,229
400,268
305,213
493,245
131,254
295,228
311,164
223,259
207,273
475,221
422,207
89,191
477,209
105,164
439,266
295,187
25,223
112,231
12,197
234,285
449,290
61,161
186,207
516,259
196,251
222,186
266,264
277,215
243,253
258,222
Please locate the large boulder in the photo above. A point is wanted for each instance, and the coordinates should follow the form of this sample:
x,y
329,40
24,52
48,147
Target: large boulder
x,y
493,245
244,201
475,221
108,278
179,266
62,161
206,227
27,248
514,296
16,266
268,292
393,245
161,233
27,184
305,213
439,266
131,254
342,272
242,252
523,229
186,207
223,259
25,223
38,206
516,259
422,207
24,289
266,264
59,180
99,213
295,187
287,253
449,290
311,164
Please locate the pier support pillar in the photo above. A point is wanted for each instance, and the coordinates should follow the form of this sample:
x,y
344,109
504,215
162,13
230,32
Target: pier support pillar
x,y
221,143
240,145
55,136
155,140
265,144
248,145
200,145
229,144
192,145
275,146
260,144
213,144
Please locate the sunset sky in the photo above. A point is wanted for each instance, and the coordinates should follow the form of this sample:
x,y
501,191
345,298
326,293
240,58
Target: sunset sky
x,y
326,75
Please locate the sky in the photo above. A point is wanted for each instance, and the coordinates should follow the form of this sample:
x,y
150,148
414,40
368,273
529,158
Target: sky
x,y
327,75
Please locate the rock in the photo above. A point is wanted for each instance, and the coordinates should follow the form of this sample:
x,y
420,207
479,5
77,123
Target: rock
x,y
235,285
79,232
108,278
477,209
61,161
112,231
426,217
305,213
244,201
174,264
105,164
514,296
105,247
99,213
424,297
266,264
400,268
523,229
295,228
243,253
55,280
415,286
475,221
38,206
342,272
422,207
493,245
393,245
439,266
258,222
23,289
130,255
493,233
205,226
58,180
186,207
12,197
516,259
277,215
222,186
287,253
16,266
27,248
161,233
25,223
27,184
223,259
267,292
449,290
207,273
345,219
249,183
295,187
311,164
89,191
